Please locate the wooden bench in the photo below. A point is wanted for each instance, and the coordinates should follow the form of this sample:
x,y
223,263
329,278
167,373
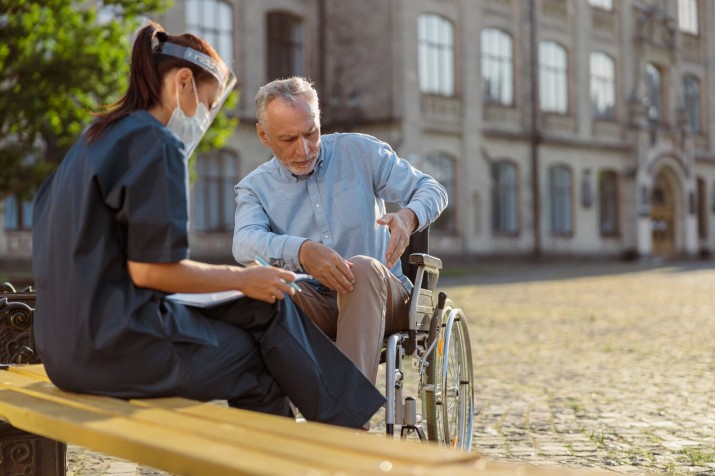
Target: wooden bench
x,y
188,437
194,438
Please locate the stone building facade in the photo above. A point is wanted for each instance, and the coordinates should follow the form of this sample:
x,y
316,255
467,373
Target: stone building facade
x,y
559,127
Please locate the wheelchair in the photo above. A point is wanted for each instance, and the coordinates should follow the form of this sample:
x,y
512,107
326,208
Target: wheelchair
x,y
437,346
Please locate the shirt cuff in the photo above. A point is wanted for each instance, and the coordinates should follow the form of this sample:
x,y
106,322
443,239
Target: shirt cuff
x,y
290,252
421,218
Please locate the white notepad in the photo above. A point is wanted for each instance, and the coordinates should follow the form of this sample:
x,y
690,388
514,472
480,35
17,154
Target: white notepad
x,y
214,299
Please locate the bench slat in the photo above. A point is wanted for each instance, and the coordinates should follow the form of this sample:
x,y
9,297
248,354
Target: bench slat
x,y
146,444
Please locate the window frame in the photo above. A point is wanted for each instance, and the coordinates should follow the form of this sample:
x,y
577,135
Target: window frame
x,y
693,110
288,49
215,182
654,91
218,34
561,202
505,194
689,17
602,4
22,213
609,203
602,85
553,66
500,63
436,45
446,224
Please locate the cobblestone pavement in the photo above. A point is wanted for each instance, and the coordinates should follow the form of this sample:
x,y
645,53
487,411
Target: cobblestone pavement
x,y
607,365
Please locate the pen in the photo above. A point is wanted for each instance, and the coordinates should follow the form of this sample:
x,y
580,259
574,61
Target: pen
x,y
263,262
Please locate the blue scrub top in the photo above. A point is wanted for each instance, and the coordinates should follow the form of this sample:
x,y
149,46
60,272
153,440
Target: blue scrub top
x,y
122,197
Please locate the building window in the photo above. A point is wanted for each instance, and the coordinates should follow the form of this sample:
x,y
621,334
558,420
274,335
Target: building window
x,y
608,203
688,16
553,82
285,46
605,4
603,86
441,167
212,20
702,208
654,93
18,213
560,200
436,54
214,210
504,198
497,66
691,95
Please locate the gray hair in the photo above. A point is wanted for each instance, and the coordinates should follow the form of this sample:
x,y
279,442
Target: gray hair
x,y
288,90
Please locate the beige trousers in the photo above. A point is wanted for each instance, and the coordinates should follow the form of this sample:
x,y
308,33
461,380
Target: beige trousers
x,y
359,320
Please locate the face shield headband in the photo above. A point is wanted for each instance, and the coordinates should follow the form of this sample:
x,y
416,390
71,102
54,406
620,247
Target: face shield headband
x,y
225,77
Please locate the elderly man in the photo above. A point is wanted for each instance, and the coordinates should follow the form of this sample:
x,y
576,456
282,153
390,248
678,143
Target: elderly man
x,y
318,206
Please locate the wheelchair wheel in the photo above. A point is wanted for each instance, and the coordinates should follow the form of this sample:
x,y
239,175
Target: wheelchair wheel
x,y
449,404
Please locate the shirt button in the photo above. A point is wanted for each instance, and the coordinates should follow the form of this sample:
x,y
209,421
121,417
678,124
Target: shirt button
x,y
326,236
317,205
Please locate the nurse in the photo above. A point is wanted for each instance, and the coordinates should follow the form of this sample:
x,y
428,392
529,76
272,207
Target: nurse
x,y
110,241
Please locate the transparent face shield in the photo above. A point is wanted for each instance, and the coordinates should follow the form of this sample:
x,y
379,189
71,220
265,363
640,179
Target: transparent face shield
x,y
224,76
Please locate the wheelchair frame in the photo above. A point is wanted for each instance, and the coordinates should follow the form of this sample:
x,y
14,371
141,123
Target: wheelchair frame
x,y
436,329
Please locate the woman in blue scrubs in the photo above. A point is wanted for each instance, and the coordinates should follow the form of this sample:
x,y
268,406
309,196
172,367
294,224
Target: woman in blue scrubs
x,y
110,241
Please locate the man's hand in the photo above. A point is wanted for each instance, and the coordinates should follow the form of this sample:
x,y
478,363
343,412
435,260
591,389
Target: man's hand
x,y
401,225
327,266
266,283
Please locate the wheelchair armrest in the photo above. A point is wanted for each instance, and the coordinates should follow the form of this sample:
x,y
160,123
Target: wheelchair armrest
x,y
428,261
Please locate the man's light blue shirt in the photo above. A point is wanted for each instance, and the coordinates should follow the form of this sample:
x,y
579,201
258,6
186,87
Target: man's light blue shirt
x,y
337,205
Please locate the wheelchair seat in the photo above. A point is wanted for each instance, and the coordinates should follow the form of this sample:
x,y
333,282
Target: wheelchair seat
x,y
437,341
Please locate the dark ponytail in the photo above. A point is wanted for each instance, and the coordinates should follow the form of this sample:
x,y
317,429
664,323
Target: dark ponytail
x,y
146,75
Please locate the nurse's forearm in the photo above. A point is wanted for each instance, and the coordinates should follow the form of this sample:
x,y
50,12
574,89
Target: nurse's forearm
x,y
185,276
266,283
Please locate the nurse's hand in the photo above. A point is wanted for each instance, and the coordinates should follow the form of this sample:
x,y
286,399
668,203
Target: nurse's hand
x,y
265,283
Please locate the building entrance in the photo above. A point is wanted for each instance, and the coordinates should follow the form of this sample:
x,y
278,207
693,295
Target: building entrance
x,y
662,216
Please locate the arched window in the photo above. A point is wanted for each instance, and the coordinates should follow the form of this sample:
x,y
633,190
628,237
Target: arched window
x,y
214,197
436,54
608,203
654,93
691,97
285,46
504,198
212,20
553,81
497,66
441,167
603,86
560,187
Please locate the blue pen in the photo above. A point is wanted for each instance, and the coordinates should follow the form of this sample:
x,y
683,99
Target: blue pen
x,y
263,262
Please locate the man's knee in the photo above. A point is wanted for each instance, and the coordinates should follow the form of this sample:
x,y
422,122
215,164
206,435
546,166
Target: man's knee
x,y
366,268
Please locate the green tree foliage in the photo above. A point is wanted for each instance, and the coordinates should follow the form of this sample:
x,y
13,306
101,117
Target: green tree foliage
x,y
60,61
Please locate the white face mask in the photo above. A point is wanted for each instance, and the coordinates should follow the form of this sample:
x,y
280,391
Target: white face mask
x,y
190,129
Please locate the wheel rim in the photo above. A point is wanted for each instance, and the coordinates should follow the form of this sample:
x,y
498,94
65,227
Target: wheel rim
x,y
448,403
456,395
